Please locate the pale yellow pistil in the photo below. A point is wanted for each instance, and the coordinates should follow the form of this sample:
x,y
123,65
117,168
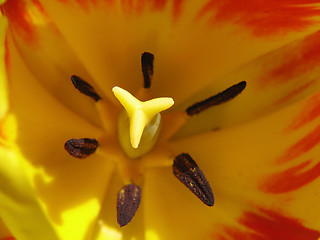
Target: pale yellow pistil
x,y
139,125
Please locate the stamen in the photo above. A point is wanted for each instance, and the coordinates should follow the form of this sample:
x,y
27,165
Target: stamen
x,y
188,172
128,203
220,98
147,68
85,87
82,147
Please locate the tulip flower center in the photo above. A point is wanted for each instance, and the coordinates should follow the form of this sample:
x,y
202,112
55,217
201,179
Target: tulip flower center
x,y
138,132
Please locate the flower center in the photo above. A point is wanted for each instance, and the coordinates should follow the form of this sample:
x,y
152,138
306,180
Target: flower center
x,y
137,129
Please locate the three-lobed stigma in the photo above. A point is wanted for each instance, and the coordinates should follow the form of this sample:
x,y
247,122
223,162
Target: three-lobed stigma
x,y
140,113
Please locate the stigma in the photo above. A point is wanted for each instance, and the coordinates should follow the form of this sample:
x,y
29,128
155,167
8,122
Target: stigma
x,y
140,124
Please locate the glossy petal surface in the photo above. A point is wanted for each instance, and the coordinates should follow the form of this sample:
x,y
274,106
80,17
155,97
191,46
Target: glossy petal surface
x,y
260,151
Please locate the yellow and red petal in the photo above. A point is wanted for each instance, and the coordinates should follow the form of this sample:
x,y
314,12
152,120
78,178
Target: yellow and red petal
x,y
269,167
187,47
268,225
274,81
264,18
249,165
47,55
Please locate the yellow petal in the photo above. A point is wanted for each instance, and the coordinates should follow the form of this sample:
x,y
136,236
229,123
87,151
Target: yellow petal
x,y
70,190
17,195
18,200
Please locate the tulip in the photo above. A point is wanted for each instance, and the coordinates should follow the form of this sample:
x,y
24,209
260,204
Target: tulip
x,y
89,148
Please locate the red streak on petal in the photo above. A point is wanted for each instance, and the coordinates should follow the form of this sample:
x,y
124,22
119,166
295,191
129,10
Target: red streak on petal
x,y
177,8
294,93
130,6
140,6
19,19
297,60
39,6
219,237
276,226
86,4
291,179
8,238
300,61
269,225
310,111
127,5
302,146
136,6
159,5
263,18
